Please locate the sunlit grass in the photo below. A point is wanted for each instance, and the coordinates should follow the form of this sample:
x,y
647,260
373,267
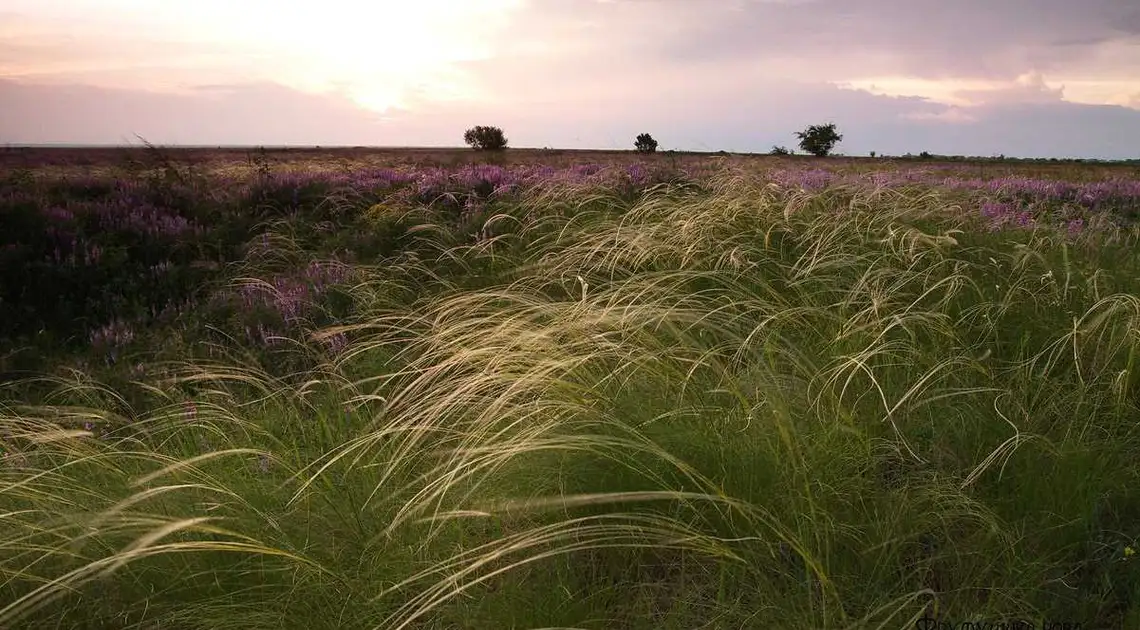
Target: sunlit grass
x,y
725,405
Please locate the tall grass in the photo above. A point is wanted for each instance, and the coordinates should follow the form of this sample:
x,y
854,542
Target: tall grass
x,y
729,405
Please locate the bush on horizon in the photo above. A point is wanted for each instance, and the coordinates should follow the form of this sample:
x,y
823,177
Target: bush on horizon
x,y
485,138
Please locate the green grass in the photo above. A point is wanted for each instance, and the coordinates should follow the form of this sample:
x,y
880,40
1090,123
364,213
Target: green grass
x,y
728,406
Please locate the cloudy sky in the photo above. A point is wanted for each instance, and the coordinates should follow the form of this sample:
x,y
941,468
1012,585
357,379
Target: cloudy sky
x,y
1048,78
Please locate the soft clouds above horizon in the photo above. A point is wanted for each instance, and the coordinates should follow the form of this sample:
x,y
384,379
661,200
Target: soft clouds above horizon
x,y
1019,77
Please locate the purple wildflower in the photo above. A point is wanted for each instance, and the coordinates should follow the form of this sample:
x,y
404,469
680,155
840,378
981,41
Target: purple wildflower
x,y
336,343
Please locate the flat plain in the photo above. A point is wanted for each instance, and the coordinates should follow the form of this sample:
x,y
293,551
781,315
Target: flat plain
x,y
358,388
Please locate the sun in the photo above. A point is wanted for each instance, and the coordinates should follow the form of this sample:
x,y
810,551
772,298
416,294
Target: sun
x,y
379,53
378,99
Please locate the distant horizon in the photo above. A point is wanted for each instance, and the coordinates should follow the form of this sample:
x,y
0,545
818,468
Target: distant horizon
x,y
797,154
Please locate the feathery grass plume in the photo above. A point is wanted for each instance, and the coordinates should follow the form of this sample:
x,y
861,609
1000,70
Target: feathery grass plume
x,y
751,398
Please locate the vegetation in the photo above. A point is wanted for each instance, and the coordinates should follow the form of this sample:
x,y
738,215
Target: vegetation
x,y
819,140
780,150
485,138
645,143
615,395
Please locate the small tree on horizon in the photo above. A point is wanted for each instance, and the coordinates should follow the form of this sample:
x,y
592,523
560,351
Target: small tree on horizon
x,y
819,140
780,151
485,138
645,144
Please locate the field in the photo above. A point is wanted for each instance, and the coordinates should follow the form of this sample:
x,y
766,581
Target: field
x,y
341,389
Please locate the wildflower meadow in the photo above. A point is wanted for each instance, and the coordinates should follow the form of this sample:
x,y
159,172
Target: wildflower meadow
x,y
340,391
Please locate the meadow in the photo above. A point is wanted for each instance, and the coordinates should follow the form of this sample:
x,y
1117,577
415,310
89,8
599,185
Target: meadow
x,y
401,390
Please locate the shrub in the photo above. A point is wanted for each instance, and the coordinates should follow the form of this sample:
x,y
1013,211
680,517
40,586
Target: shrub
x,y
645,143
780,151
485,138
819,140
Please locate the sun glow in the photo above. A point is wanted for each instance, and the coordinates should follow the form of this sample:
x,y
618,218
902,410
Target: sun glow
x,y
377,53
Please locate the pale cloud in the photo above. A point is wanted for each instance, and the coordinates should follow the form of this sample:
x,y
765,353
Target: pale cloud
x,y
1026,89
375,52
253,114
954,93
953,115
937,46
1030,87
993,39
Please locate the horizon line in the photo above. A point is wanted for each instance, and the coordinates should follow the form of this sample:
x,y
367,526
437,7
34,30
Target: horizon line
x,y
67,145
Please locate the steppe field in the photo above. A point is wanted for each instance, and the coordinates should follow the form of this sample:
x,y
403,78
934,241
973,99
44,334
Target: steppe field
x,y
335,389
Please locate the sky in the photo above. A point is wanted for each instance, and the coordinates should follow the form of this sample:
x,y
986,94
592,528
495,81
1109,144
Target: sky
x,y
1029,78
